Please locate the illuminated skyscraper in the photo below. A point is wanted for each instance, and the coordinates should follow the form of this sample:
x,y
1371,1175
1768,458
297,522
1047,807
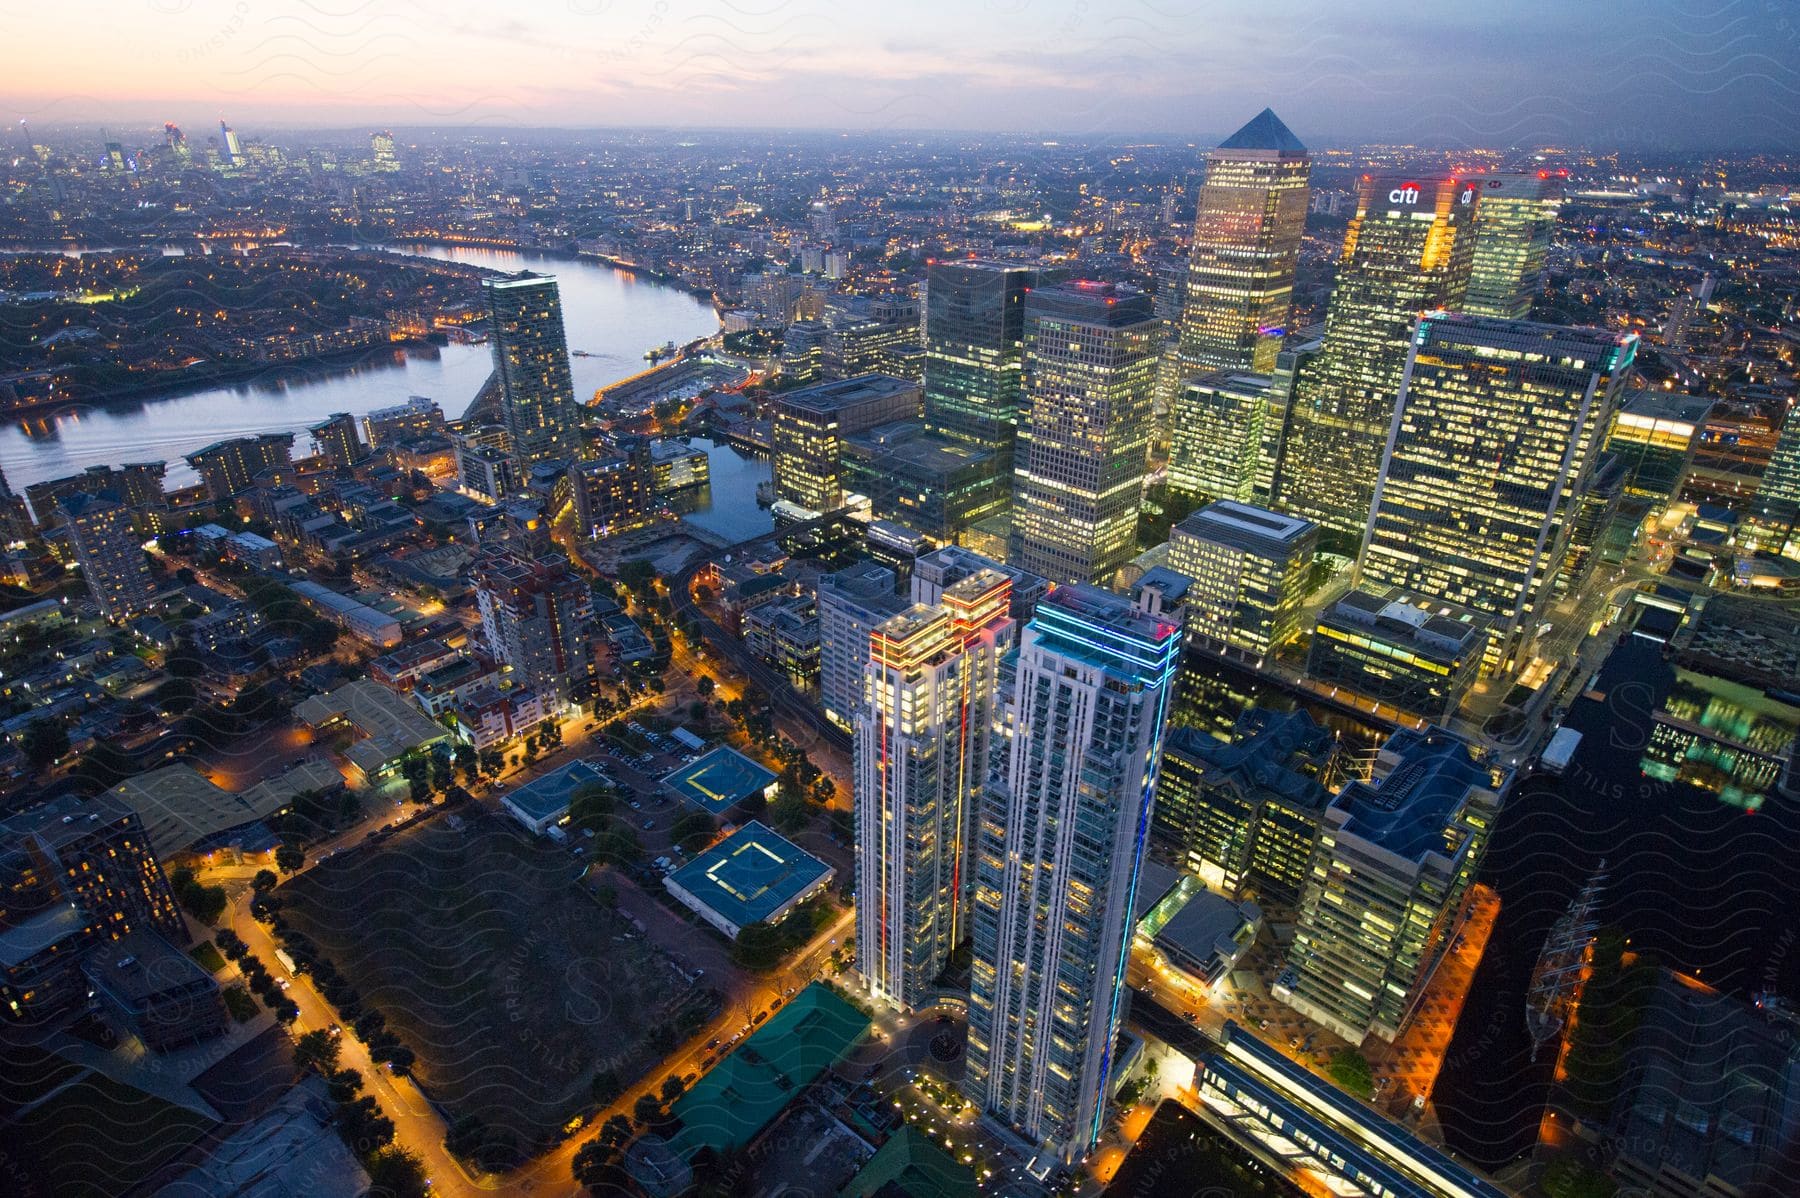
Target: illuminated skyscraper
x,y
531,359
381,152
1063,824
535,614
1240,279
1090,373
1407,252
1513,224
1216,436
1497,431
229,146
974,350
1775,514
921,761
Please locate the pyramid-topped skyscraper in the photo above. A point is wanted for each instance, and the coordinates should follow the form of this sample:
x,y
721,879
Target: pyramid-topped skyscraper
x,y
1239,288
1264,131
1240,284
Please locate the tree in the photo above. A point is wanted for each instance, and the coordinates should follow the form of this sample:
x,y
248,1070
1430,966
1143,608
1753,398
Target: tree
x,y
395,1173
1350,1069
1571,1177
704,685
596,1167
692,830
672,1088
264,880
289,858
647,1109
44,741
605,1087
317,1051
363,1126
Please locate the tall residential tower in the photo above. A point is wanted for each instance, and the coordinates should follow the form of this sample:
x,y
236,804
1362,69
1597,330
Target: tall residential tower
x,y
1061,838
921,761
531,361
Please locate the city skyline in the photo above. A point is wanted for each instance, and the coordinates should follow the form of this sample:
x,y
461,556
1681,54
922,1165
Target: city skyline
x,y
1521,74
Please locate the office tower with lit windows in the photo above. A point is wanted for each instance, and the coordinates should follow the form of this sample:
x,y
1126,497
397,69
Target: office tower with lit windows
x,y
1249,568
230,468
111,553
922,741
1247,230
535,614
1216,435
974,354
1388,886
1244,814
531,361
1062,829
1513,223
612,491
1775,512
335,439
381,152
1492,444
229,146
808,434
1654,435
1090,373
1407,252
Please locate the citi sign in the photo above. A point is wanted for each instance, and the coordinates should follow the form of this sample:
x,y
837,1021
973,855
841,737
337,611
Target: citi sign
x,y
1406,193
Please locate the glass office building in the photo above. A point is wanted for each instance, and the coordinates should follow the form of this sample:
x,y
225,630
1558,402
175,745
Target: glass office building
x,y
1407,252
1513,224
1493,442
1090,373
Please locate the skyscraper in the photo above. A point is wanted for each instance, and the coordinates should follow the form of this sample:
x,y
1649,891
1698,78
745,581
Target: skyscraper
x,y
810,427
1407,252
1247,230
229,146
852,603
1090,370
1063,824
1513,224
1496,433
922,742
1216,436
531,360
974,353
381,152
111,554
1775,513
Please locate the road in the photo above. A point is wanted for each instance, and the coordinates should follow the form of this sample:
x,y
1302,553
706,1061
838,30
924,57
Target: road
x,y
417,1126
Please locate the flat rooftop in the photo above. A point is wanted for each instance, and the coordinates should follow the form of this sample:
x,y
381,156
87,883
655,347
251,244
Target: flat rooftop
x,y
744,1093
390,725
750,875
720,780
545,796
180,808
847,393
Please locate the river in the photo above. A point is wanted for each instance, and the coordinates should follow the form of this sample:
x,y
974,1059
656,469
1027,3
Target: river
x,y
612,318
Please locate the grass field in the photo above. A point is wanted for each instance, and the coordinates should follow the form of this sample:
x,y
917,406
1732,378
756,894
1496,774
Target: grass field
x,y
100,1138
489,960
208,955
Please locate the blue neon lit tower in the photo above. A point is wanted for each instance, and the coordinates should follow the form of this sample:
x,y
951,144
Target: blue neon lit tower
x,y
1057,852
